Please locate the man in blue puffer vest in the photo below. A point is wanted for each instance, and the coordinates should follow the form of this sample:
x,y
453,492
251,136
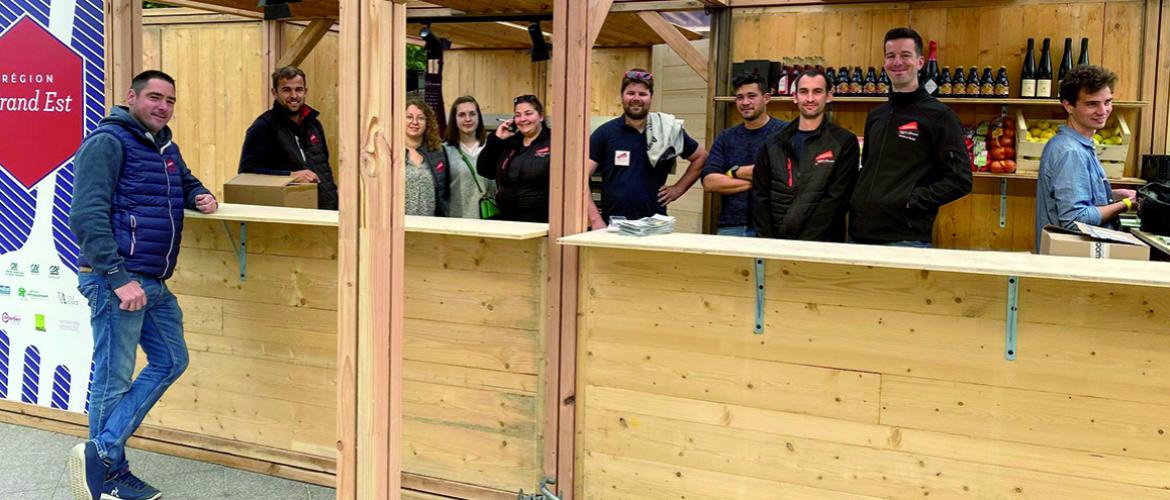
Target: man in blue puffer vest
x,y
129,192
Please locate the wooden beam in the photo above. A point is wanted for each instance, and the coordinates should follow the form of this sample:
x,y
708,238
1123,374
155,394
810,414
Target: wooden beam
x,y
219,9
598,9
659,6
1144,138
271,49
715,3
305,43
1161,109
719,65
123,34
676,41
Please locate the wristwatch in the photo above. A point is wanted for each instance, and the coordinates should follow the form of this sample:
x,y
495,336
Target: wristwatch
x,y
731,171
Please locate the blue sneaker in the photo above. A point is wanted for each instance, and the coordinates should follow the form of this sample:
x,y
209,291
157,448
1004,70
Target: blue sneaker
x,y
87,471
127,486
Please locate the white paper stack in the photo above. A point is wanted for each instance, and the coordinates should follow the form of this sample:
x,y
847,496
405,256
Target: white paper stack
x,y
655,224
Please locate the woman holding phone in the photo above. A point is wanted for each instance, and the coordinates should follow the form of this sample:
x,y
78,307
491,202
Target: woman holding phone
x,y
517,157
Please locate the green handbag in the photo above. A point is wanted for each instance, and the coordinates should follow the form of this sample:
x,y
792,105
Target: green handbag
x,y
487,204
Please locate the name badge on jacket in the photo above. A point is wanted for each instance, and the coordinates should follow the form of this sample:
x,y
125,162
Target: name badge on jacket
x,y
621,158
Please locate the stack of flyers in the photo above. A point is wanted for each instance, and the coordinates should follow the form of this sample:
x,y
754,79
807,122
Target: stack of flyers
x,y
655,224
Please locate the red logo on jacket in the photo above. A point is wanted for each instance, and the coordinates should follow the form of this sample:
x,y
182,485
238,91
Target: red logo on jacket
x,y
826,157
542,152
439,168
314,140
171,166
908,131
909,126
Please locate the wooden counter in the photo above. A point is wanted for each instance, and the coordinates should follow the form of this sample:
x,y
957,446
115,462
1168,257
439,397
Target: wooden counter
x,y
880,373
261,383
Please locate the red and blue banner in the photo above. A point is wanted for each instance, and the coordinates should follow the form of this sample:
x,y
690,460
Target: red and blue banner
x,y
52,81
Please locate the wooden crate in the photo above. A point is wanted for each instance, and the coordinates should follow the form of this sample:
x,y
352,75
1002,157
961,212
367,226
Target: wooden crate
x,y
1112,157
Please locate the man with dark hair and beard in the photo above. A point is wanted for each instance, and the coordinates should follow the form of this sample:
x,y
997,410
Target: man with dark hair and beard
x,y
636,152
805,173
289,139
729,167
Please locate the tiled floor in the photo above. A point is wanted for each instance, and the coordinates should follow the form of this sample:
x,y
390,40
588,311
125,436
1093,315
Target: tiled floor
x,y
32,467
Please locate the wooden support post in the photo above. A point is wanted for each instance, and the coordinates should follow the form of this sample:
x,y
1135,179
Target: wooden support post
x,y
573,21
123,32
1161,110
719,65
272,47
305,42
1144,140
371,255
677,42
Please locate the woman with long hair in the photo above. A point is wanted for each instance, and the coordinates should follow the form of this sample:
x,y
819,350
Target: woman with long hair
x,y
465,139
428,188
517,156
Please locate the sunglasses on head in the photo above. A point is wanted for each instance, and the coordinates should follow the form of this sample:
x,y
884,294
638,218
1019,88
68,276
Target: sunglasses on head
x,y
639,75
523,98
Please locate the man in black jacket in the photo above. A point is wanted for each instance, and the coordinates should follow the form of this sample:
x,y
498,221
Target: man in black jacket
x,y
288,139
805,172
914,160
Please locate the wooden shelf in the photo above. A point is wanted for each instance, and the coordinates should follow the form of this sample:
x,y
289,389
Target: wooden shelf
x,y
1128,181
780,100
1017,264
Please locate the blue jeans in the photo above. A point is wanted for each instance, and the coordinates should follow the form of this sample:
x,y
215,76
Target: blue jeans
x,y
117,404
909,243
735,231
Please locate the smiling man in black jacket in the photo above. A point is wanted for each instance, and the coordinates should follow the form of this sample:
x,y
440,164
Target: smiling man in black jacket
x,y
914,160
289,139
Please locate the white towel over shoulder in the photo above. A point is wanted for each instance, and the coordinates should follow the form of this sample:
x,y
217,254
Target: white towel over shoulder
x,y
664,137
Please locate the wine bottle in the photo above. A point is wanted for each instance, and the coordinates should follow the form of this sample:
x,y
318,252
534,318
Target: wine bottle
x,y
973,82
944,83
958,83
986,83
1065,62
1003,86
843,81
1083,60
856,82
884,84
831,78
870,87
1044,73
1028,73
930,75
782,83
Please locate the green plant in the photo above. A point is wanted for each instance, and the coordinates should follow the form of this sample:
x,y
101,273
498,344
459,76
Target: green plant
x,y
416,58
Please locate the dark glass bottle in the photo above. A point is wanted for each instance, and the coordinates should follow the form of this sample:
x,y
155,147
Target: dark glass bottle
x,y
1044,72
944,83
1003,86
1028,72
782,82
973,82
1083,60
870,87
986,83
843,81
958,83
856,82
929,80
831,78
1065,62
884,83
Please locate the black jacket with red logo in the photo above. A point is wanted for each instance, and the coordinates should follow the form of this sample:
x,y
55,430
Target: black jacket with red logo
x,y
521,174
804,198
277,145
915,161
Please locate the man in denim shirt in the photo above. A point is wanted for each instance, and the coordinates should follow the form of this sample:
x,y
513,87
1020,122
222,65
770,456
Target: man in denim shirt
x,y
1072,186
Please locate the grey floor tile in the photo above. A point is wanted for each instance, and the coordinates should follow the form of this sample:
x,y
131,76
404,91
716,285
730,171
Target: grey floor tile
x,y
192,486
29,477
247,485
321,493
30,495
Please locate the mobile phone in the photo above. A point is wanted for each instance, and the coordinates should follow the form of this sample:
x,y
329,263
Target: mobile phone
x,y
511,127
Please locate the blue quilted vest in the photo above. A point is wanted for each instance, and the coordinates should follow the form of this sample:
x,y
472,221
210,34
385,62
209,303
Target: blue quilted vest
x,y
147,205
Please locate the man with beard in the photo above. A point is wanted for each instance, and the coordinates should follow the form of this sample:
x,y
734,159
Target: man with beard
x,y
1072,186
289,140
635,153
915,158
805,173
728,171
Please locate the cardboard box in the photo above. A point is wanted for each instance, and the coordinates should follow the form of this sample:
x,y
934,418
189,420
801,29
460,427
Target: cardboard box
x,y
270,190
1060,241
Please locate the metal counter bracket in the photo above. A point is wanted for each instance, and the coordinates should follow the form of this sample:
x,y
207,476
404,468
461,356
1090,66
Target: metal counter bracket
x,y
1003,202
1013,309
759,297
241,249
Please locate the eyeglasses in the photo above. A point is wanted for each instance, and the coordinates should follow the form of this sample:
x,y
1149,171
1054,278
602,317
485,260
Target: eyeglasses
x,y
640,75
523,98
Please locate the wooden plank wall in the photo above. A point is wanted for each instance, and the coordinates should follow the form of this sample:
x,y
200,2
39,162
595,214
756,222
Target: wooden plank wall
x,y
866,383
680,91
988,34
263,352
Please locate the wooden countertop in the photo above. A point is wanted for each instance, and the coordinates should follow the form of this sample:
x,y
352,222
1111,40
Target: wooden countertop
x,y
414,224
1126,272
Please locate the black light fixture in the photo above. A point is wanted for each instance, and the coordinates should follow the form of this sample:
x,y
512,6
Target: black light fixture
x,y
276,9
432,43
540,49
